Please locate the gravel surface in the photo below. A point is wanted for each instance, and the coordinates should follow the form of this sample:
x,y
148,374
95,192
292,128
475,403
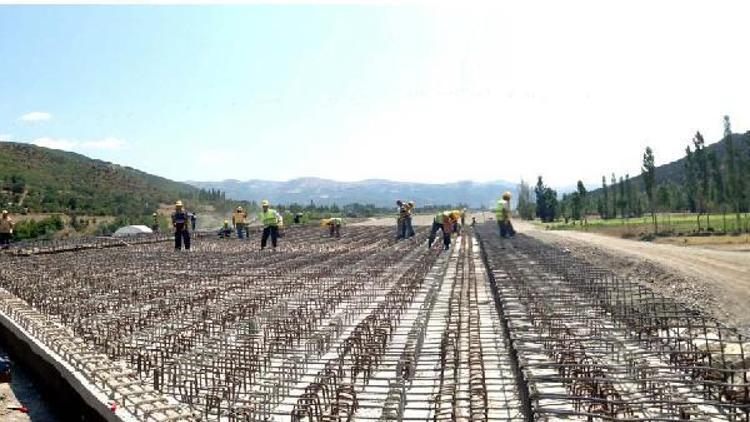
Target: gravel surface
x,y
716,282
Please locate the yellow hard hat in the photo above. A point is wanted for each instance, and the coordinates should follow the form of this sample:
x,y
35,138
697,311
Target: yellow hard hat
x,y
506,196
226,221
154,214
265,203
239,208
5,211
178,204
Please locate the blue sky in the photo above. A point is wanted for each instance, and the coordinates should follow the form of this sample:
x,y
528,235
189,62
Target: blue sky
x,y
377,91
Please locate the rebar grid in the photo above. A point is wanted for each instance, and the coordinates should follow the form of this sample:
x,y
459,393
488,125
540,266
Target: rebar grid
x,y
593,346
355,329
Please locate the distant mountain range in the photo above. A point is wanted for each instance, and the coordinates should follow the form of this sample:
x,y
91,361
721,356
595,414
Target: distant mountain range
x,y
375,191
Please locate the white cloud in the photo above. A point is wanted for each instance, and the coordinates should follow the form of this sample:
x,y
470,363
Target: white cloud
x,y
108,143
36,116
54,143
6,137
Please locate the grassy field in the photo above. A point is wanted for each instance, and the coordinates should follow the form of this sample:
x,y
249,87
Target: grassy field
x,y
670,224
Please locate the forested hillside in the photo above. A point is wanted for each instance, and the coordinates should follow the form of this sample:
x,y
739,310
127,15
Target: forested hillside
x,y
36,179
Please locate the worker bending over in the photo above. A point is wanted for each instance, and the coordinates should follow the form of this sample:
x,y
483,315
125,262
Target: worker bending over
x,y
502,215
181,224
271,221
334,225
6,229
443,221
239,221
226,231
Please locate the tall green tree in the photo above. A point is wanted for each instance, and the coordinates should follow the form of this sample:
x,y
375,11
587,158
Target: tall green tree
x,y
604,204
703,176
648,172
622,201
734,182
718,193
582,199
526,206
613,186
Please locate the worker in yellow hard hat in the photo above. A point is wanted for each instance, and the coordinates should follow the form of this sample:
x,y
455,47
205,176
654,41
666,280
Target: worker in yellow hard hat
x,y
272,222
239,221
444,221
6,229
502,215
334,225
181,222
226,230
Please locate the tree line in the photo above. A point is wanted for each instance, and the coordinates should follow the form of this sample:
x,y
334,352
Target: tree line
x,y
708,182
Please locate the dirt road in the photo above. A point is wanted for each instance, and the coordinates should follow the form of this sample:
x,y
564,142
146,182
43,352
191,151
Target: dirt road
x,y
716,280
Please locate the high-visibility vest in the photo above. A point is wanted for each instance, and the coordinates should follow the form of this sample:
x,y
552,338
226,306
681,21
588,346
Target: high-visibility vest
x,y
502,214
441,217
269,218
336,221
239,217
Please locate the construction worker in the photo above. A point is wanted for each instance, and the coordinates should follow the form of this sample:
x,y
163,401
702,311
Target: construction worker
x,y
271,221
155,223
502,215
226,231
298,218
180,222
408,228
463,216
457,216
444,221
239,221
193,220
334,225
6,229
401,209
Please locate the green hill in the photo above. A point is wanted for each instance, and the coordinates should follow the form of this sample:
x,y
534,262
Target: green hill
x,y
37,179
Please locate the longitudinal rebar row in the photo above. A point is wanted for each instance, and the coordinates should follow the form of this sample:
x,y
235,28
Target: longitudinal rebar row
x,y
594,346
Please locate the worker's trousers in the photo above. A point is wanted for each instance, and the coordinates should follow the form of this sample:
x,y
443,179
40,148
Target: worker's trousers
x,y
506,229
408,230
272,231
335,230
446,235
180,237
241,231
5,238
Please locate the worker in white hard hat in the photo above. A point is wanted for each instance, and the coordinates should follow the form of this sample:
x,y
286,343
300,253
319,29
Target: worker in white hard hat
x,y
502,215
272,222
155,223
181,224
239,221
6,229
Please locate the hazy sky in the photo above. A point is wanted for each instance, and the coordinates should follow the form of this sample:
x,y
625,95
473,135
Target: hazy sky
x,y
417,92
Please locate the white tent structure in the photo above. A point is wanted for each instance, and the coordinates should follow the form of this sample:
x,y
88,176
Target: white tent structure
x,y
131,231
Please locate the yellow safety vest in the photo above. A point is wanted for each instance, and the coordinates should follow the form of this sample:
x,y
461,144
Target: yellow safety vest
x,y
269,218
